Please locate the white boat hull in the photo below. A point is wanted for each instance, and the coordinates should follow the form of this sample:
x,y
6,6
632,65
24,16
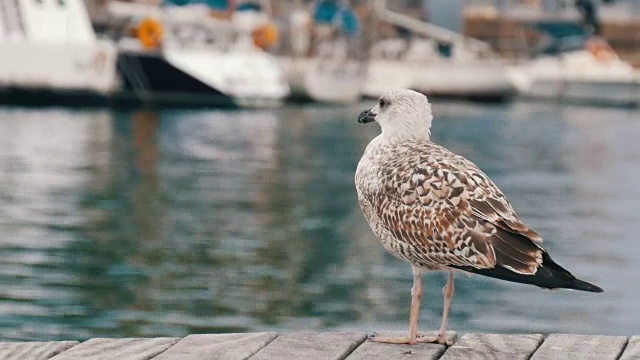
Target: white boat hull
x,y
72,67
200,76
578,77
480,80
49,50
249,78
595,92
326,81
385,75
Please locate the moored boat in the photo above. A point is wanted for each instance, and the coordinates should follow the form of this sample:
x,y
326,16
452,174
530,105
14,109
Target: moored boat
x,y
198,59
577,67
322,58
51,55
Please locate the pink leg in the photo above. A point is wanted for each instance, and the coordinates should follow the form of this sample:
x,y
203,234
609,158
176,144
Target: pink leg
x,y
416,296
447,291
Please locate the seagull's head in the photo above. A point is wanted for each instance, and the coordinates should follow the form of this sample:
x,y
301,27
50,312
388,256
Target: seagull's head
x,y
402,114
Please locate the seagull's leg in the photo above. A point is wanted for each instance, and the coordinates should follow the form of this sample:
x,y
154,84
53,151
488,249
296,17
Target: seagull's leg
x,y
416,296
441,338
447,291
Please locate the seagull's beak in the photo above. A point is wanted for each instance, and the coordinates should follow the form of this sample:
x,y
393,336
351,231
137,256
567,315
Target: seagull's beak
x,y
366,117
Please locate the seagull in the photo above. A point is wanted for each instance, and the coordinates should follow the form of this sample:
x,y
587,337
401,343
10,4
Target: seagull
x,y
438,211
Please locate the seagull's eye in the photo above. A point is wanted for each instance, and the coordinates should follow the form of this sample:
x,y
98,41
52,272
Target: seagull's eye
x,y
383,103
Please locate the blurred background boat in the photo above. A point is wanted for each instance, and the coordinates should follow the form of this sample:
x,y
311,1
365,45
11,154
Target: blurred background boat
x,y
227,53
50,53
433,60
322,52
574,66
191,54
578,50
506,24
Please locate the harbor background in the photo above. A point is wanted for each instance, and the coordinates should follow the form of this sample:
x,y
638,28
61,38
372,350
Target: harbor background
x,y
126,223
236,210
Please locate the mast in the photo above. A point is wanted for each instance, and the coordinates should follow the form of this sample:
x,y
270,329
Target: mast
x,y
436,32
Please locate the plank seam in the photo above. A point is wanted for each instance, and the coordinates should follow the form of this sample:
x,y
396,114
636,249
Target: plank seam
x,y
626,344
265,345
162,352
544,338
352,349
64,349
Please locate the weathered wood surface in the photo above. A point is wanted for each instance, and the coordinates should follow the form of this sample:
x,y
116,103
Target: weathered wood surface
x,y
328,345
379,351
309,345
34,350
632,351
580,347
222,346
118,349
493,346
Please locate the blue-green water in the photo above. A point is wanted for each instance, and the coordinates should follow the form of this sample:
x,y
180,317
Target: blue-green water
x,y
186,221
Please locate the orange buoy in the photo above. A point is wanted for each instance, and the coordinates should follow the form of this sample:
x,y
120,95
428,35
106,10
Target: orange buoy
x,y
149,33
600,50
265,36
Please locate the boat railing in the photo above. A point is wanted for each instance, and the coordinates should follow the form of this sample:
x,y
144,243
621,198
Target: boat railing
x,y
429,30
522,7
565,9
187,27
11,19
199,35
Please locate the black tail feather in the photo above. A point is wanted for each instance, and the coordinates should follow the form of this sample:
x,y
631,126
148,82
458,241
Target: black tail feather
x,y
549,275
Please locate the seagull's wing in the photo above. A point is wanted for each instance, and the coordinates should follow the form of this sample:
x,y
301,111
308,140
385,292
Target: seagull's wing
x,y
448,213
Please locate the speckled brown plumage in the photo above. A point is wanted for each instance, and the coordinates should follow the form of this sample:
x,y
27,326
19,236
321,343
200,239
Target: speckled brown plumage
x,y
434,209
437,211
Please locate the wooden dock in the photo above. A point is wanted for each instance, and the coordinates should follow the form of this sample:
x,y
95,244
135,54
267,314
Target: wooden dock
x,y
329,345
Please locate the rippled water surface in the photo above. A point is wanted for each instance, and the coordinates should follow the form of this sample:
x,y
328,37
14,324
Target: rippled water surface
x,y
185,221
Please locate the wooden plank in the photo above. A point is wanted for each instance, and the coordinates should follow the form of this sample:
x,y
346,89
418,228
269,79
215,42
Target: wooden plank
x,y
378,351
374,350
632,351
311,345
118,349
34,350
580,347
494,346
218,347
452,336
